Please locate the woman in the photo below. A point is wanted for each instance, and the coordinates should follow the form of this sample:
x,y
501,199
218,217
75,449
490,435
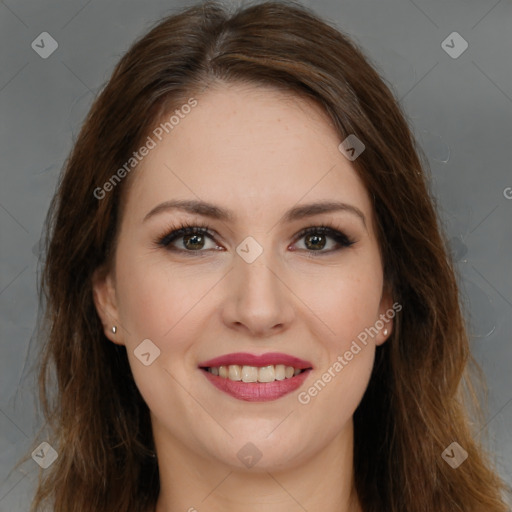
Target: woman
x,y
249,299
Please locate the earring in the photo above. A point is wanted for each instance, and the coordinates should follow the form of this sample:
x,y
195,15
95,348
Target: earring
x,y
114,329
385,332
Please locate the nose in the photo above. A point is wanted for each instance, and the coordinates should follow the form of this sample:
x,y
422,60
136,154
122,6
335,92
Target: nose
x,y
258,300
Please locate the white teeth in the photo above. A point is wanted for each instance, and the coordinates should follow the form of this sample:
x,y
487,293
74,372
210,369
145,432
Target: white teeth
x,y
280,373
234,372
266,374
250,374
254,373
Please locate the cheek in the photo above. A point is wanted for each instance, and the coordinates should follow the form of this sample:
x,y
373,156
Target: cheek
x,y
156,303
153,298
349,309
344,298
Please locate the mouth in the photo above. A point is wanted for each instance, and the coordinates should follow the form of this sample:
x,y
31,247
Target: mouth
x,y
256,378
246,373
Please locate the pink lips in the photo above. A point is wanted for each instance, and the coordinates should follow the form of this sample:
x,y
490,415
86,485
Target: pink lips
x,y
257,391
243,358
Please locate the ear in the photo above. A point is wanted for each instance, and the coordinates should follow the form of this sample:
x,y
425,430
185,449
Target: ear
x,y
386,314
104,295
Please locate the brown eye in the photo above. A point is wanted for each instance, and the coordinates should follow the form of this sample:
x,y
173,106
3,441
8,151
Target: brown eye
x,y
193,242
316,239
193,239
315,242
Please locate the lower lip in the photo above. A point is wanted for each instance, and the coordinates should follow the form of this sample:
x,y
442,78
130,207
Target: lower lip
x,y
257,391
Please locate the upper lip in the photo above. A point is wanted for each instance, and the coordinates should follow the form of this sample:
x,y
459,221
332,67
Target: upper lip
x,y
246,359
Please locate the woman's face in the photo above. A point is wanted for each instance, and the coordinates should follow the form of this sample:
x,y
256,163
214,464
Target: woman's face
x,y
256,287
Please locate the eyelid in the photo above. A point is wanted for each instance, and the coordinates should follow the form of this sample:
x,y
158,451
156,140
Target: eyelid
x,y
327,230
184,228
174,232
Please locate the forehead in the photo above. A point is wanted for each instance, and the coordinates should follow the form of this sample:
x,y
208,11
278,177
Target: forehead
x,y
256,150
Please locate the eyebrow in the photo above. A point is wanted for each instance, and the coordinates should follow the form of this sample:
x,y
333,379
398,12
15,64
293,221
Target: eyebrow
x,y
213,211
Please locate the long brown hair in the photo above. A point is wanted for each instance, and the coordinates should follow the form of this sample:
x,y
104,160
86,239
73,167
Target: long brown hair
x,y
419,396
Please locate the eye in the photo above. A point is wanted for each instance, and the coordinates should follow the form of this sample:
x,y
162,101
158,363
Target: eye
x,y
315,239
193,239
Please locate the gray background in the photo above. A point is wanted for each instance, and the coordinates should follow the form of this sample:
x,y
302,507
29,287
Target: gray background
x,y
459,108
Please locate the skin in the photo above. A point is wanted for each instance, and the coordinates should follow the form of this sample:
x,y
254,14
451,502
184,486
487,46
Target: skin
x,y
257,152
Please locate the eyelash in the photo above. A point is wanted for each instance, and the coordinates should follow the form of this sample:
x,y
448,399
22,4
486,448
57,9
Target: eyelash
x,y
198,228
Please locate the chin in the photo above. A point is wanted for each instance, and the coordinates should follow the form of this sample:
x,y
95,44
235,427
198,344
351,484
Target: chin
x,y
255,451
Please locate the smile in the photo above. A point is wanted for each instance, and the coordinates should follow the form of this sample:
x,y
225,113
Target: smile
x,y
275,376
254,374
